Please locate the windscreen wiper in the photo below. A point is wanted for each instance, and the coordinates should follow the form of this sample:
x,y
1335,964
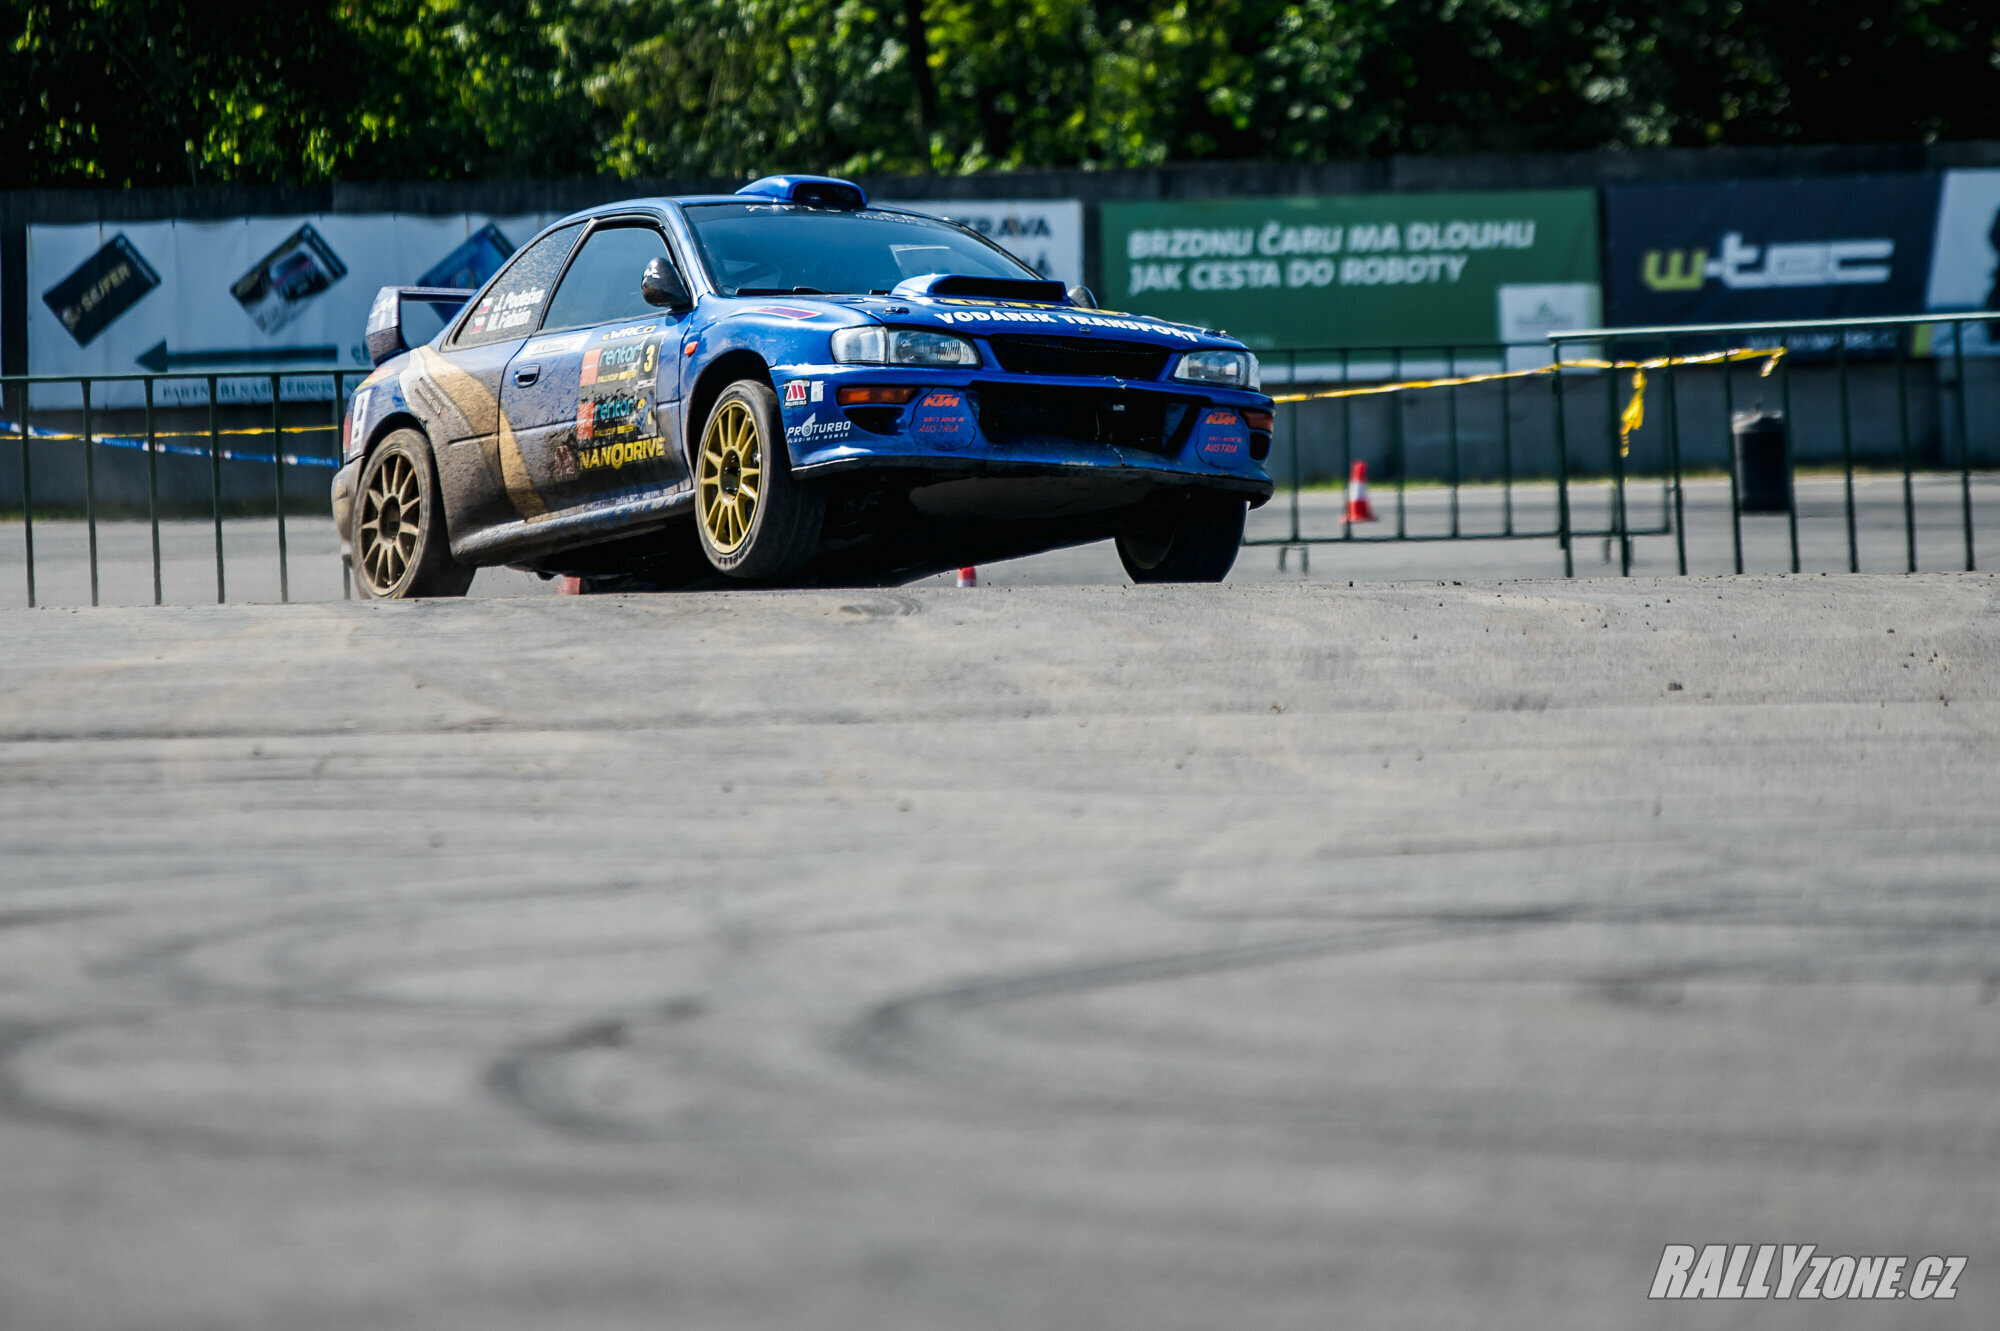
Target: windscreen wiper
x,y
779,291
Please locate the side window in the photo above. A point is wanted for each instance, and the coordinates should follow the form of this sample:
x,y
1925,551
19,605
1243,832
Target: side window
x,y
603,283
508,308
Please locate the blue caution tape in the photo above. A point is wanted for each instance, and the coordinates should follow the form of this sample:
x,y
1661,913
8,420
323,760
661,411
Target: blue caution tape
x,y
13,431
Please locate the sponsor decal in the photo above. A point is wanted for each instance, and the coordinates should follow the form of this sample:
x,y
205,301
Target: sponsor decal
x,y
811,431
622,416
630,330
621,454
788,312
610,365
103,287
941,420
555,346
1223,440
819,390
795,392
1798,1271
1067,319
356,425
516,308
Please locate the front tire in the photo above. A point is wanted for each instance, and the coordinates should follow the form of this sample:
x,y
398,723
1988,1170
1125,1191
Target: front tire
x,y
1192,537
756,522
401,549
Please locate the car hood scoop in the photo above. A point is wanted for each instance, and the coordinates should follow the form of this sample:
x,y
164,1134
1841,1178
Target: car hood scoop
x,y
989,288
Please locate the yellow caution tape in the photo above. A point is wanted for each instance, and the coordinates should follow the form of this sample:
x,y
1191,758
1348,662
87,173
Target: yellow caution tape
x,y
1629,420
39,435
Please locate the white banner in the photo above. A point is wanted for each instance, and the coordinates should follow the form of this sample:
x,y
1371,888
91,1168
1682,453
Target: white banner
x,y
255,292
260,292
1045,234
1965,261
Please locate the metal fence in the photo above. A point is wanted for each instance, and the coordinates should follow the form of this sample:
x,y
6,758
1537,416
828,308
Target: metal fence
x,y
1585,382
1893,393
92,425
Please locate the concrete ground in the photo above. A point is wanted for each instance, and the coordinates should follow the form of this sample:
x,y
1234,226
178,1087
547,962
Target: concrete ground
x,y
1264,956
250,546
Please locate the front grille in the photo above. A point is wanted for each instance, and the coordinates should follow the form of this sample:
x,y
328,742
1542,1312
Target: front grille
x,y
1152,421
1025,354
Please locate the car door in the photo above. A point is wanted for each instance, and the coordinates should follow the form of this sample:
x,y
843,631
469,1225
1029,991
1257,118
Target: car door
x,y
588,393
455,389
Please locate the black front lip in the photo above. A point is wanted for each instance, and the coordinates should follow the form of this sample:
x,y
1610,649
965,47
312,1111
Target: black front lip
x,y
1258,490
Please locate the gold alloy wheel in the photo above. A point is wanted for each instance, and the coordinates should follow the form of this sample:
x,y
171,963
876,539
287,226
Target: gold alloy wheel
x,y
391,513
730,476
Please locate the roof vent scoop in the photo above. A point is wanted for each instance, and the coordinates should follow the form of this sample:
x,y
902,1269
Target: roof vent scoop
x,y
813,191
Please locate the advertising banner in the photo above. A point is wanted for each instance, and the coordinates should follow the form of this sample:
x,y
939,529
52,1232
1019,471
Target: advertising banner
x,y
1965,270
1753,250
127,297
1360,270
1045,234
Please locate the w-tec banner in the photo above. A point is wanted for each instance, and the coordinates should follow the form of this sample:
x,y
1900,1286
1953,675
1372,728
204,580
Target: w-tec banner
x,y
1360,270
1756,250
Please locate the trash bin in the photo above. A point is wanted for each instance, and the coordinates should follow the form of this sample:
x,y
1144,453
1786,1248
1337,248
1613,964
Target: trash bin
x,y
1761,483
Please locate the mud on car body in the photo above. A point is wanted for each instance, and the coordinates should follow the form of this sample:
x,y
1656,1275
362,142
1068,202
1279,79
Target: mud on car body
x,y
786,384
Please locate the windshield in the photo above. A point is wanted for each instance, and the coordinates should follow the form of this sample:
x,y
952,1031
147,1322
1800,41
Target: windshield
x,y
770,249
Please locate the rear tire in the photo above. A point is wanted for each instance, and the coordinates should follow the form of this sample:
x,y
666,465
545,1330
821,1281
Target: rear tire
x,y
756,522
1190,537
400,546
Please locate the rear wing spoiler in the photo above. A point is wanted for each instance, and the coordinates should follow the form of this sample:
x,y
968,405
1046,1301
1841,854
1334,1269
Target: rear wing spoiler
x,y
385,317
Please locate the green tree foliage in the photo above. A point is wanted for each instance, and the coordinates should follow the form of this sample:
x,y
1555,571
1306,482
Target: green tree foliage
x,y
170,91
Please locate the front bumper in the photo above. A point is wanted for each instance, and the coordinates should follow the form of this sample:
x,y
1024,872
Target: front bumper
x,y
345,482
984,422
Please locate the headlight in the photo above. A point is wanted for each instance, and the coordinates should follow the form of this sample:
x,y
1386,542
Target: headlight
x,y
1231,369
876,345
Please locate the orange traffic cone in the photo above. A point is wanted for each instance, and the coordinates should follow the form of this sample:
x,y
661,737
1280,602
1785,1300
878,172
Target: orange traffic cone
x,y
1358,507
569,586
968,576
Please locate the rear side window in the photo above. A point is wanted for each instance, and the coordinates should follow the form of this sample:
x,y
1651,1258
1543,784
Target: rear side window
x,y
509,307
603,283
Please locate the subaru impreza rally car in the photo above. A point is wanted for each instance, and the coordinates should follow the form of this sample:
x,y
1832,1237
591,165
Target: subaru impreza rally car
x,y
786,384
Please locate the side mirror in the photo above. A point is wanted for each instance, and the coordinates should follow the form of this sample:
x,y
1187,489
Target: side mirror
x,y
1081,296
662,286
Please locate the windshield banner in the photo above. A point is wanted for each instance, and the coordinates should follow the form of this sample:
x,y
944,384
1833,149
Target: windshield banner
x,y
1360,270
1747,251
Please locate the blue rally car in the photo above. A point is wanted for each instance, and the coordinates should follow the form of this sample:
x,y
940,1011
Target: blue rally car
x,y
786,384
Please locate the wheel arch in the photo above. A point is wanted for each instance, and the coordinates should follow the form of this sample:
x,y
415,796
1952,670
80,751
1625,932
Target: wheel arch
x,y
400,419
721,372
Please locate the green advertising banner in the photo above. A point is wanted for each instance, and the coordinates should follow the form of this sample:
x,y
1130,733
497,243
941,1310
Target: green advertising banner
x,y
1360,270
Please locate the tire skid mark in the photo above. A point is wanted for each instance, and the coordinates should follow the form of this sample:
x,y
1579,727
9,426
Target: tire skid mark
x,y
890,1039
528,1079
